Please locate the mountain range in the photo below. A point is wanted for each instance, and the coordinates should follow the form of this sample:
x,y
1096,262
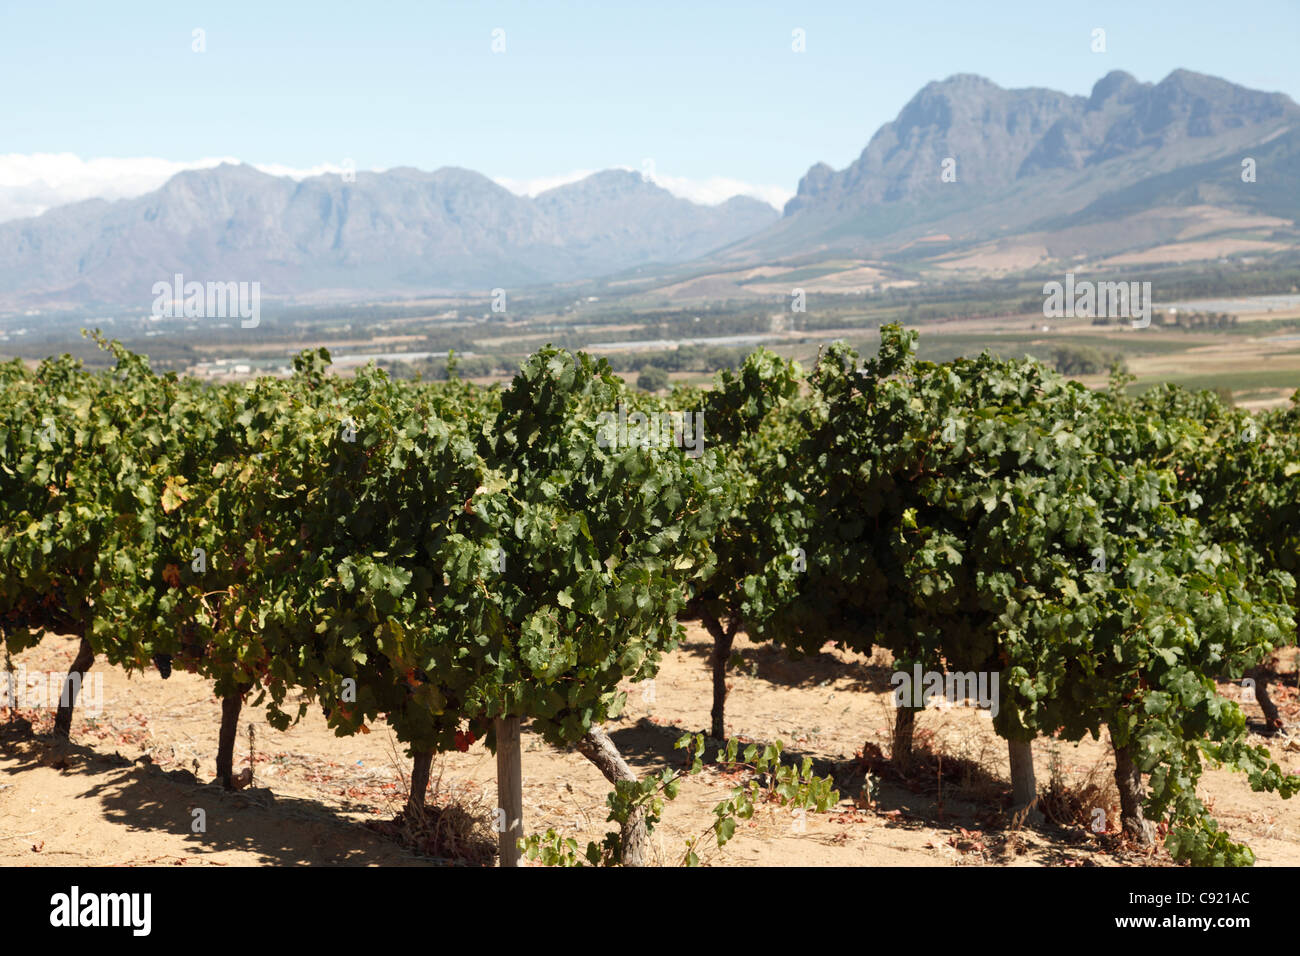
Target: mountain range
x,y
1021,177
1032,161
402,230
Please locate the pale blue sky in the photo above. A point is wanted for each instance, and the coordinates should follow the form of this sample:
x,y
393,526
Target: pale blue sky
x,y
705,90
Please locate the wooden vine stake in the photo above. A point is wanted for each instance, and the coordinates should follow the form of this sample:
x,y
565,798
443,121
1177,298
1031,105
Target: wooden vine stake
x,y
510,789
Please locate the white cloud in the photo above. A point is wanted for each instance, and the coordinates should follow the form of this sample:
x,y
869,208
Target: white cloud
x,y
718,189
275,169
34,182
30,184
715,189
531,187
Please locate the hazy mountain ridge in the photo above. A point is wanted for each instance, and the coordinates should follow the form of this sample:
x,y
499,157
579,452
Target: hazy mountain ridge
x,y
1041,176
401,230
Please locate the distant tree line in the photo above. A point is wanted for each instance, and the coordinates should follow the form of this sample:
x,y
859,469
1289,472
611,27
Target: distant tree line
x,y
684,358
1085,360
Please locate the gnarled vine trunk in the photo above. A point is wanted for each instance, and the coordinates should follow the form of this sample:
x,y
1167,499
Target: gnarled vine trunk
x,y
231,705
72,688
420,771
1128,779
1024,788
723,639
1272,719
597,747
900,753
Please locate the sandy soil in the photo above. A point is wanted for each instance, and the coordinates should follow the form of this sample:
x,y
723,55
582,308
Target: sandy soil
x,y
128,788
1192,251
997,258
1214,219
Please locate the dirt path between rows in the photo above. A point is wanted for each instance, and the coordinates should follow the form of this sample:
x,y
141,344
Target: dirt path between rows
x,y
135,782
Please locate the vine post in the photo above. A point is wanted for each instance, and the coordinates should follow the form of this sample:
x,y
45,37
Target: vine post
x,y
510,789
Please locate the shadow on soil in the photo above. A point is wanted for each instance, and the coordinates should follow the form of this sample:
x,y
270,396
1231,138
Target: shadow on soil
x,y
775,666
140,796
